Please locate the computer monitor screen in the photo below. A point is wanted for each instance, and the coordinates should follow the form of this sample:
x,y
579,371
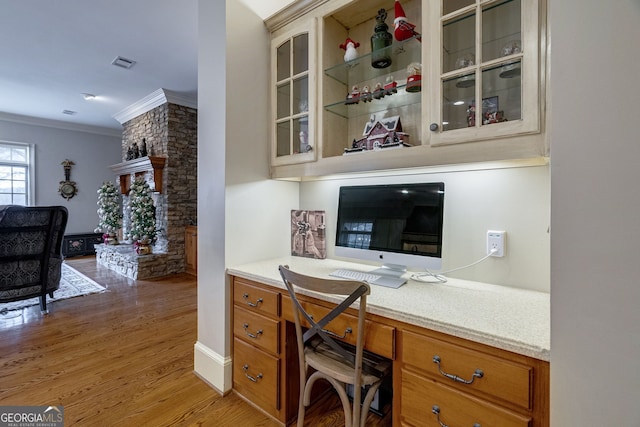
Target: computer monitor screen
x,y
392,224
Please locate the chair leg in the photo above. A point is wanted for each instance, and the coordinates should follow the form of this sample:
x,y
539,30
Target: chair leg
x,y
43,304
366,403
339,387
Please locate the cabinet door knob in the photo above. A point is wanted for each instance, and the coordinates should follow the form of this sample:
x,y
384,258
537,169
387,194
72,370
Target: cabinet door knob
x,y
433,127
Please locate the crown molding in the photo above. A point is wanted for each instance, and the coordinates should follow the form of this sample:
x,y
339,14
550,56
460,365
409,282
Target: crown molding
x,y
291,12
57,124
153,100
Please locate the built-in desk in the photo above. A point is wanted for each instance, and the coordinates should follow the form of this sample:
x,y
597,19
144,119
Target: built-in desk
x,y
505,332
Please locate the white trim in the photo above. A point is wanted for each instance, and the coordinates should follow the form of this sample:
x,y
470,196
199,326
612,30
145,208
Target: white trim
x,y
151,101
36,121
212,368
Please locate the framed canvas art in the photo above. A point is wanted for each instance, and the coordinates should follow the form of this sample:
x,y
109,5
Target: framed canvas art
x,y
308,234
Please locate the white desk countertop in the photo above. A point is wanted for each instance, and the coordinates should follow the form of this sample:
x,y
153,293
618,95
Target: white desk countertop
x,y
508,318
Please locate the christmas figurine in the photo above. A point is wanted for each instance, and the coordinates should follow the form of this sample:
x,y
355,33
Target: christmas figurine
x,y
403,29
349,47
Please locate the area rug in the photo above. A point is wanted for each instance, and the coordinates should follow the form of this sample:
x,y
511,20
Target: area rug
x,y
72,284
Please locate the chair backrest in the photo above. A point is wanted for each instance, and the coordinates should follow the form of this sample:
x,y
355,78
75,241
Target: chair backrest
x,y
31,247
351,290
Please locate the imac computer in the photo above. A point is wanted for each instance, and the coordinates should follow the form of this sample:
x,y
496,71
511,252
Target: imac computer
x,y
396,225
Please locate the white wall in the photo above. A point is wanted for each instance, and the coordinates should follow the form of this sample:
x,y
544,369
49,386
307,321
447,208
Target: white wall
x,y
238,206
595,213
92,155
514,199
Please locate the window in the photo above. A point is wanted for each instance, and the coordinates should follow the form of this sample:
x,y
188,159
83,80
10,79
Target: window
x,y
359,234
15,170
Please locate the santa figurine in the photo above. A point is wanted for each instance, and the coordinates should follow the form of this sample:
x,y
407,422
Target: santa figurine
x,y
350,52
403,29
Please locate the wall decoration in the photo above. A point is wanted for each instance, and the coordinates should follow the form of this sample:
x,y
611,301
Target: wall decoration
x,y
308,234
67,188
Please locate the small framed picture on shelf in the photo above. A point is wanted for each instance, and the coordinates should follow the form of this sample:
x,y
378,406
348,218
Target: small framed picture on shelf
x,y
489,105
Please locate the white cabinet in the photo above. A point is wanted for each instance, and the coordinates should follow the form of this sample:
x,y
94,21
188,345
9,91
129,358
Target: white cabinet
x,y
485,70
482,67
293,94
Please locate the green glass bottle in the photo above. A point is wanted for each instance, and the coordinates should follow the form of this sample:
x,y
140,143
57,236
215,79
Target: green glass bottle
x,y
380,41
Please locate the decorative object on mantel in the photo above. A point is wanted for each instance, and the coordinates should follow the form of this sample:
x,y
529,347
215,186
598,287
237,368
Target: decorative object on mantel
x,y
109,212
380,40
308,234
403,29
143,148
143,216
67,187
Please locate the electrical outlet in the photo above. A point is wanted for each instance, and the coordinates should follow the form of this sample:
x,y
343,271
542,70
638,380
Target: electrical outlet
x,y
496,241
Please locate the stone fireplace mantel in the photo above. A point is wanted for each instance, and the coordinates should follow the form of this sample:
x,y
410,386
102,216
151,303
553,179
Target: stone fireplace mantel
x,y
139,166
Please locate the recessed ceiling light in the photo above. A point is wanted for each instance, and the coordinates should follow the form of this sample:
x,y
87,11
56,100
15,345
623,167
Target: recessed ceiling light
x,y
119,61
69,112
458,103
88,96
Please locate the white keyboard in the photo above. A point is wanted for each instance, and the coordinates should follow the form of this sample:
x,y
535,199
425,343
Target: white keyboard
x,y
372,279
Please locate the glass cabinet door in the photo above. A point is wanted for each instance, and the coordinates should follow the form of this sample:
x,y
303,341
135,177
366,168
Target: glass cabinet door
x,y
293,136
486,70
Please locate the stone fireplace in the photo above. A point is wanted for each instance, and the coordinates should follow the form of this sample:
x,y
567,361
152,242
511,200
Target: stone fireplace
x,y
169,133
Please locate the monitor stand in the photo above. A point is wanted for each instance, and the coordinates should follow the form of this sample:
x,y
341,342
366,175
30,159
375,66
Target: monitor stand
x,y
394,270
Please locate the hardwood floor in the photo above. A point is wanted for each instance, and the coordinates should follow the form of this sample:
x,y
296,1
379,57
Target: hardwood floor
x,y
123,357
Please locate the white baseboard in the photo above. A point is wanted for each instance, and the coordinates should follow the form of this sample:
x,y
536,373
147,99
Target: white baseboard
x,y
212,368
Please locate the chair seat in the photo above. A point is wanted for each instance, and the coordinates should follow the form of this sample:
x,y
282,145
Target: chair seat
x,y
324,359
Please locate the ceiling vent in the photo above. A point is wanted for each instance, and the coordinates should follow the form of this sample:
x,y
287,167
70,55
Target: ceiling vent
x,y
123,62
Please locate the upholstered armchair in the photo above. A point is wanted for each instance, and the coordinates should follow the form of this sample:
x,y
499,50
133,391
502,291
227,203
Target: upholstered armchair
x,y
30,251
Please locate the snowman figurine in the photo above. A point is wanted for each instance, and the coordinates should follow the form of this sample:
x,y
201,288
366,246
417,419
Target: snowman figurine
x,y
350,52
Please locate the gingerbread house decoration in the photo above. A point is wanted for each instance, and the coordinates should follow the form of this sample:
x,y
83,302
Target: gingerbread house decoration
x,y
379,134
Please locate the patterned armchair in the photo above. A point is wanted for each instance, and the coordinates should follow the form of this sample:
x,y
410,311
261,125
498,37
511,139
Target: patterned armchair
x,y
30,251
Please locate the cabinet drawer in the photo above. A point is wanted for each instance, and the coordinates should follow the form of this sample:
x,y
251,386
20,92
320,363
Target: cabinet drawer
x,y
379,338
256,329
256,375
503,379
254,298
420,395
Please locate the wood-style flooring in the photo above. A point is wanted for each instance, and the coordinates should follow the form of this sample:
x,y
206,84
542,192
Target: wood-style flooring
x,y
124,358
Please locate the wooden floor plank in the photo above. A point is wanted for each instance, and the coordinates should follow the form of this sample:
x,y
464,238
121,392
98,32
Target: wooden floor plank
x,y
123,357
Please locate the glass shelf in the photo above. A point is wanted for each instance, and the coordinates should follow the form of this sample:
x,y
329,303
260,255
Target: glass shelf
x,y
396,100
358,70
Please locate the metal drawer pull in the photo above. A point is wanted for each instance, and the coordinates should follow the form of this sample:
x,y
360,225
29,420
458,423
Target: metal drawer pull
x,y
249,303
245,368
477,374
436,410
333,334
246,325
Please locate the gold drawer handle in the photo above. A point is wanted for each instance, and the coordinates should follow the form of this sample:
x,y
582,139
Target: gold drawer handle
x,y
259,332
436,410
245,368
477,374
249,303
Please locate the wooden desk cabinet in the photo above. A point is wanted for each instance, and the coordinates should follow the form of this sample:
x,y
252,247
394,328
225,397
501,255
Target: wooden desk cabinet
x,y
191,249
511,391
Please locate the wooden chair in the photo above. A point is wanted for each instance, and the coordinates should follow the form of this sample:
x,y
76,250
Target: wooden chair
x,y
333,360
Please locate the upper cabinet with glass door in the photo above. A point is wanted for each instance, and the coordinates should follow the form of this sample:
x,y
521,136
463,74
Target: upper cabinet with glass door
x,y
293,96
485,70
